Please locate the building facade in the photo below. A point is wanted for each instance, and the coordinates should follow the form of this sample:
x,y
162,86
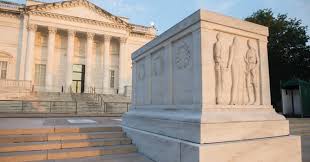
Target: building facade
x,y
70,45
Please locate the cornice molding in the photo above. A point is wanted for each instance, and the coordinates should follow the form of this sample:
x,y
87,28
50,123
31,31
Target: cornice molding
x,y
142,35
8,14
79,19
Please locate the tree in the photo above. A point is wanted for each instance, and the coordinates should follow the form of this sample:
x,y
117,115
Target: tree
x,y
289,54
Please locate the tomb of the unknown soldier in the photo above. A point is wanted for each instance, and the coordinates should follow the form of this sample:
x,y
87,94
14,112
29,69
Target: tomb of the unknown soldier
x,y
79,82
201,93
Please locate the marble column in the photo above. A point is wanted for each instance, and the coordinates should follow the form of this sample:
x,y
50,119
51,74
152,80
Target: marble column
x,y
88,74
122,66
32,28
106,63
70,52
50,52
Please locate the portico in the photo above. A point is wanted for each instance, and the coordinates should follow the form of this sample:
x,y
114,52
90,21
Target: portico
x,y
71,54
57,36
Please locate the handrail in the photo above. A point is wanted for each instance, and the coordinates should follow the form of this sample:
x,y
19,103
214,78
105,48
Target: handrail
x,y
105,105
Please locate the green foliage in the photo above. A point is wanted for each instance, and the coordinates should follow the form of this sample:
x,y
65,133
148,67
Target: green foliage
x,y
289,54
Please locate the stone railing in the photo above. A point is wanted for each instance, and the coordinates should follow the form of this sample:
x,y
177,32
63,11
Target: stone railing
x,y
14,88
16,83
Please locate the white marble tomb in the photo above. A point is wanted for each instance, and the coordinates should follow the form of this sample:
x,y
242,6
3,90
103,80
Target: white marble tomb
x,y
201,94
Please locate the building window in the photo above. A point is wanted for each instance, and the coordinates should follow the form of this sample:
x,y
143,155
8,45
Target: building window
x,y
3,69
40,70
112,79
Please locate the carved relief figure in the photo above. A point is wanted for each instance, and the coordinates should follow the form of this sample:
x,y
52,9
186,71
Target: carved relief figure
x,y
252,63
218,60
236,61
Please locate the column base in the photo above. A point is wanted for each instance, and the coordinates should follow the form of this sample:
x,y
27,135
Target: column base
x,y
162,148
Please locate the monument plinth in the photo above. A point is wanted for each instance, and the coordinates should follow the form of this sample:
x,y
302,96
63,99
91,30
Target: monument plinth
x,y
201,93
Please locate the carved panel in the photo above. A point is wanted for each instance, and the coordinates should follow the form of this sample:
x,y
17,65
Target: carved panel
x,y
141,82
157,63
183,57
141,71
159,77
182,51
236,70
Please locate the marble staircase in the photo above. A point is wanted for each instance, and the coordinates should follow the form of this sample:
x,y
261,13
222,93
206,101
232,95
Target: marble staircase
x,y
71,143
87,104
66,103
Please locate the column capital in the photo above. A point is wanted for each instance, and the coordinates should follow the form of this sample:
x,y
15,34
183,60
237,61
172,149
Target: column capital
x,y
32,27
90,36
52,30
123,39
71,33
107,37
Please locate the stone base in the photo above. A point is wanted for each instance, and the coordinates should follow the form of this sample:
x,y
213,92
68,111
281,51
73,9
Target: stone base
x,y
166,149
214,126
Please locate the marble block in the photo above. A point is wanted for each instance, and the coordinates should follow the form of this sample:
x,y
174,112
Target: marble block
x,y
203,86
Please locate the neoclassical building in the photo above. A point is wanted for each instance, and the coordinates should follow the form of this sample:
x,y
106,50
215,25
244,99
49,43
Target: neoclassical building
x,y
70,45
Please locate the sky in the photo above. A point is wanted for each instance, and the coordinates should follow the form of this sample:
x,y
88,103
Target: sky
x,y
165,13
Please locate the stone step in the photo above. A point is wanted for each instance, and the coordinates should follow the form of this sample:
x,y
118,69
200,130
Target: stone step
x,y
29,146
23,156
133,157
60,137
91,151
23,138
51,145
46,130
66,153
83,136
20,131
95,142
87,129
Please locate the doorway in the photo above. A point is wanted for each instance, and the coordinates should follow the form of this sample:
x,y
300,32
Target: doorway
x,y
78,78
